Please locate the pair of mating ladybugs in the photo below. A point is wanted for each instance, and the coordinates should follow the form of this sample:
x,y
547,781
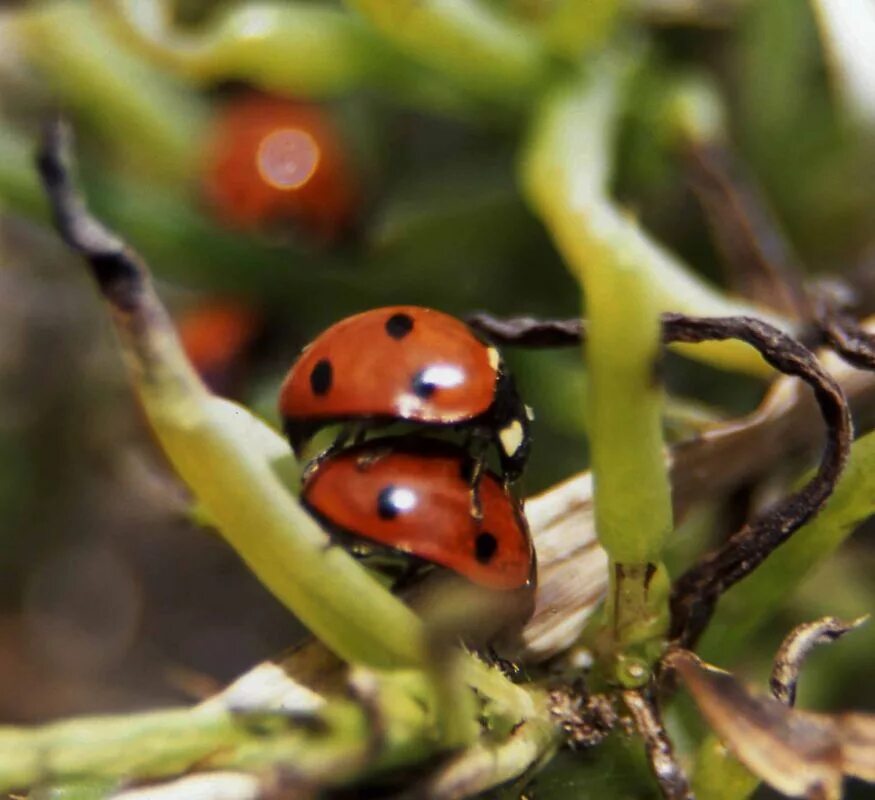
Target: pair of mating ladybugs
x,y
424,497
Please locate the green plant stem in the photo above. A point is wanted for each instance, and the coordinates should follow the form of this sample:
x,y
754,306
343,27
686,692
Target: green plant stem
x,y
156,128
576,27
473,44
389,722
280,542
565,172
334,747
213,452
300,49
625,399
631,490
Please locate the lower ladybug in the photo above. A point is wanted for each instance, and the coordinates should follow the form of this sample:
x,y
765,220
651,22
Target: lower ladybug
x,y
410,495
406,363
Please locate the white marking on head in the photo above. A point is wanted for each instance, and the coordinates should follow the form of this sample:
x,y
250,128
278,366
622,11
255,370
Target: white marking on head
x,y
511,437
494,358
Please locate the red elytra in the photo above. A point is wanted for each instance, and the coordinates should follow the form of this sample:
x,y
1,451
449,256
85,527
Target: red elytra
x,y
270,159
413,495
404,363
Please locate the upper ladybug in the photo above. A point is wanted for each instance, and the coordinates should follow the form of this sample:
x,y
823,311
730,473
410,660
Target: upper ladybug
x,y
405,363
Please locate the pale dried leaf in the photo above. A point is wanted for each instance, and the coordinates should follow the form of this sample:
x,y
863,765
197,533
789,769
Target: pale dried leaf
x,y
799,753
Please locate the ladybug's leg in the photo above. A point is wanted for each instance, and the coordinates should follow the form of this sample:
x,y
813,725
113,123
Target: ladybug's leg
x,y
409,575
340,441
361,432
478,444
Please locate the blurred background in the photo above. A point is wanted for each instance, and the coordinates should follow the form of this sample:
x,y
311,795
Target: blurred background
x,y
267,212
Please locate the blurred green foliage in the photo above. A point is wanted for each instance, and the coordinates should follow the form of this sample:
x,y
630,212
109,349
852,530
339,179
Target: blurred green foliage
x,y
434,121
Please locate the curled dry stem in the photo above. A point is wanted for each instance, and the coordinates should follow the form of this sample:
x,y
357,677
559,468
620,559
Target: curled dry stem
x,y
797,646
695,594
844,334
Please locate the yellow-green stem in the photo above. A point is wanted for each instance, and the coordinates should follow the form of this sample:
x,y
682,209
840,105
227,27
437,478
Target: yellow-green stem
x,y
300,49
225,456
565,172
623,354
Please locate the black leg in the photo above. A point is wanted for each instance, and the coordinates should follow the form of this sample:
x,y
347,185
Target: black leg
x,y
477,445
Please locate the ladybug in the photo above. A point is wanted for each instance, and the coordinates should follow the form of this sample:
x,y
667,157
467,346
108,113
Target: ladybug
x,y
270,159
406,363
410,495
216,336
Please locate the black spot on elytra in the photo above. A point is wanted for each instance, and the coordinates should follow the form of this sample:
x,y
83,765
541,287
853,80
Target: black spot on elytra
x,y
485,546
321,377
399,325
466,470
422,388
386,507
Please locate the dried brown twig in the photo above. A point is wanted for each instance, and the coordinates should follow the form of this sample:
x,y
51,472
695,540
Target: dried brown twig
x,y
660,753
695,593
795,649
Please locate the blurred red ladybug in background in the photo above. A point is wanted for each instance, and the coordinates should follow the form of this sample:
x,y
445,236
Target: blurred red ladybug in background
x,y
272,160
217,335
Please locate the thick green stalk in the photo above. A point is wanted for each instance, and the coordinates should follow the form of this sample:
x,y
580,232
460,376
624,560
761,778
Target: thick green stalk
x,y
156,744
623,353
464,39
390,721
219,450
212,452
565,172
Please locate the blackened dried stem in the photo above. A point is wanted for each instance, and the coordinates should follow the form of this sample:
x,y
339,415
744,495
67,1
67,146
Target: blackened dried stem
x,y
528,331
796,648
668,772
843,333
695,593
118,271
